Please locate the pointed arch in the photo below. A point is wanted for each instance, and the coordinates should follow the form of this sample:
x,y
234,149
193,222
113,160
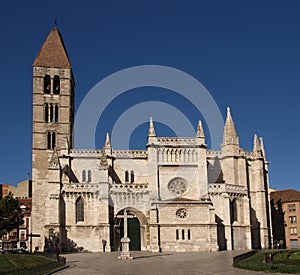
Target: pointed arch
x,y
131,176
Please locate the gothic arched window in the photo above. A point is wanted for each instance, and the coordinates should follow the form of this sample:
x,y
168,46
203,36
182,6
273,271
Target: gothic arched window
x,y
233,211
126,176
79,210
51,140
51,112
48,140
56,85
56,113
89,176
83,176
131,176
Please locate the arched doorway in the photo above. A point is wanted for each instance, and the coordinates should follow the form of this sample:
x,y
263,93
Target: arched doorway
x,y
136,229
134,233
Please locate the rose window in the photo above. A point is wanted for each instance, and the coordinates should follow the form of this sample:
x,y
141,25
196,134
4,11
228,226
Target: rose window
x,y
181,213
177,186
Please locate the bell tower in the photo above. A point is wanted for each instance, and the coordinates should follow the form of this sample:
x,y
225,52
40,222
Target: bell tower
x,y
53,116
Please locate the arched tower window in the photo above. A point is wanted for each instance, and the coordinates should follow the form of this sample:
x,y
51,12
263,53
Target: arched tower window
x,y
79,210
131,176
89,176
56,85
126,176
46,112
47,84
56,113
51,113
51,140
83,176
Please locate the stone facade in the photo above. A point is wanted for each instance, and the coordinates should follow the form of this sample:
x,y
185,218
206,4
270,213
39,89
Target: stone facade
x,y
183,196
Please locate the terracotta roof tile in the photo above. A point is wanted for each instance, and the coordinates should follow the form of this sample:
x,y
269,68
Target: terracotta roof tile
x,y
53,52
289,195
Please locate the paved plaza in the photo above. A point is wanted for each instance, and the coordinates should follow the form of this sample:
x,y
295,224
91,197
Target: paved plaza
x,y
153,263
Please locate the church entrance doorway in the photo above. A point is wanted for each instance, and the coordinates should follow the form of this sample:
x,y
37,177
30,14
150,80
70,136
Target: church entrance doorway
x,y
133,233
136,229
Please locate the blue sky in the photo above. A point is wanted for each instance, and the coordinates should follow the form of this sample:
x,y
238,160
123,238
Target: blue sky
x,y
246,54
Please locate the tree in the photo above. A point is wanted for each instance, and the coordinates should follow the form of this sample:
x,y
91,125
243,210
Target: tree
x,y
11,216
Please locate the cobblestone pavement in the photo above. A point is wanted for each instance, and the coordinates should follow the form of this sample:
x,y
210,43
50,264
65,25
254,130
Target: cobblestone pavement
x,y
153,263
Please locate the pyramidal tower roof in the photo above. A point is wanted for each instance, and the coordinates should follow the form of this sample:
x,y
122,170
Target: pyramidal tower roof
x,y
53,52
230,136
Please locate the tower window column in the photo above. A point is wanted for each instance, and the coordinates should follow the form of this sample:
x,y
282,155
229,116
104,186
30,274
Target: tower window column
x,y
51,140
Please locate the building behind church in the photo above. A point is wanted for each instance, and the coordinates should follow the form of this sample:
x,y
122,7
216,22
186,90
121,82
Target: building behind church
x,y
171,187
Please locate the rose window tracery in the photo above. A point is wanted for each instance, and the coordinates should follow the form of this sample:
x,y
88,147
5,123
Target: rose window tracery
x,y
177,186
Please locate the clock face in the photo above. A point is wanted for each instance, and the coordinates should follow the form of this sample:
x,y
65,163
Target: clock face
x,y
177,186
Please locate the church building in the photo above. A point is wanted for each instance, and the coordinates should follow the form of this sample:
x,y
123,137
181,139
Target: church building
x,y
180,195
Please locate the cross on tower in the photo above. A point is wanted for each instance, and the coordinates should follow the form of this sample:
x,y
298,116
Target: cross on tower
x,y
125,254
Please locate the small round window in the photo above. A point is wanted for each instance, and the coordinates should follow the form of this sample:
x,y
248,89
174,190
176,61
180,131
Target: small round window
x,y
177,186
181,213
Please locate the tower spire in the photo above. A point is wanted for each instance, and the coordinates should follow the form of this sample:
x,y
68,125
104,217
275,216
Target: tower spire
x,y
200,133
230,136
107,141
256,146
53,53
151,132
262,147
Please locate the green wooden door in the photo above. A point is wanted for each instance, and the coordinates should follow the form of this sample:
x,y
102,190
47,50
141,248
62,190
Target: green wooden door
x,y
133,233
